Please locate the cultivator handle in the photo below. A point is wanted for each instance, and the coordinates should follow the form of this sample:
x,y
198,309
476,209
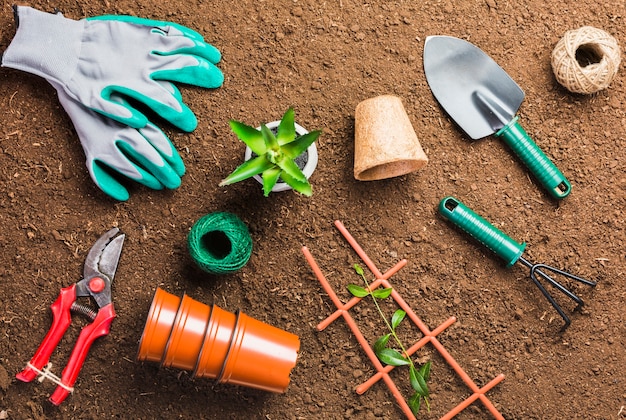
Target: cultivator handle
x,y
535,160
481,230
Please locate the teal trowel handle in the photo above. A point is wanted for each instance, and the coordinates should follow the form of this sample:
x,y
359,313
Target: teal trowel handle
x,y
481,230
535,160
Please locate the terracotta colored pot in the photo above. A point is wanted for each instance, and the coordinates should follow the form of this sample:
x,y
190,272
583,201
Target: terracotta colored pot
x,y
158,326
232,348
260,356
187,336
217,340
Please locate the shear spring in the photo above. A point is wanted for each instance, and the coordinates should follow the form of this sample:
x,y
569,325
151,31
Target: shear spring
x,y
83,310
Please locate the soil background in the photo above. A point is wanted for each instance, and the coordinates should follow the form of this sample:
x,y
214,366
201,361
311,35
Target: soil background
x,y
323,58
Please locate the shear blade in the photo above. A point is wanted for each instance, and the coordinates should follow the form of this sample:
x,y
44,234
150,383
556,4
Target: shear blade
x,y
104,255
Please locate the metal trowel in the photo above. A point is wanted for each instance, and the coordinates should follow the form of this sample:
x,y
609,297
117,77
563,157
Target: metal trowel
x,y
482,99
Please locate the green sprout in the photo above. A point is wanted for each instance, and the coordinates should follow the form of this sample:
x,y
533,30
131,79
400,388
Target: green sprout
x,y
275,154
389,355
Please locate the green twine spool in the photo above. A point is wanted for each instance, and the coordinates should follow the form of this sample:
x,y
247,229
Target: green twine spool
x,y
220,243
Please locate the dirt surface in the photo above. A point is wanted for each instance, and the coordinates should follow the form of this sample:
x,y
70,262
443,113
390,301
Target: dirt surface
x,y
323,58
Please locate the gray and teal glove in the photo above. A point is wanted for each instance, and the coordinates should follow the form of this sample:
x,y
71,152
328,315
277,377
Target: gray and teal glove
x,y
95,65
115,151
101,61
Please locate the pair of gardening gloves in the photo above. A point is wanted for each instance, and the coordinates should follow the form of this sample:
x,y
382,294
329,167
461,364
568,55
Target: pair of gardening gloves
x,y
106,70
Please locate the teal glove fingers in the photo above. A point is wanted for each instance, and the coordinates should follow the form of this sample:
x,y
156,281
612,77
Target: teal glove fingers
x,y
95,60
190,70
115,152
149,22
103,176
130,163
162,144
161,171
176,112
127,156
180,55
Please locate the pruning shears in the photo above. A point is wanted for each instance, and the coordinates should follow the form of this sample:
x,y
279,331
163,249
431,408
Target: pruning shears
x,y
99,270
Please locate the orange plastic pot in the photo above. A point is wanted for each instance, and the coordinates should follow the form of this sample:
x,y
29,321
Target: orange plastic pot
x,y
158,328
231,348
217,340
185,342
260,356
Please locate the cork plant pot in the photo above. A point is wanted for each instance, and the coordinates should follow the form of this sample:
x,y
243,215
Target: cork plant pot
x,y
386,145
217,344
307,161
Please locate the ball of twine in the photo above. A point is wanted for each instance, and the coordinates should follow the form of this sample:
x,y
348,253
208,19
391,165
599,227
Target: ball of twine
x,y
586,60
220,243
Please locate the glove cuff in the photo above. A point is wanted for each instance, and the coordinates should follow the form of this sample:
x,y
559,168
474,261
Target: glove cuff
x,y
44,44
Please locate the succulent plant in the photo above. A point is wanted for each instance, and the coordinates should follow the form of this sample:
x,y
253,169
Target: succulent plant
x,y
275,154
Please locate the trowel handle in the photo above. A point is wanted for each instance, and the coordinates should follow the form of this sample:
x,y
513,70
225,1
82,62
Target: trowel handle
x,y
535,160
481,230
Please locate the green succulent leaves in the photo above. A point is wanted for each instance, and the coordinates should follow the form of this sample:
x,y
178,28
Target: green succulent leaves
x,y
275,154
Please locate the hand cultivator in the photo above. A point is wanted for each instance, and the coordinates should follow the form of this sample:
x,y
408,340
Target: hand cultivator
x,y
510,251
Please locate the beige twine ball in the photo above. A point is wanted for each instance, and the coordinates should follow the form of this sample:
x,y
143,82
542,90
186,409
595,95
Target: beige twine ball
x,y
586,60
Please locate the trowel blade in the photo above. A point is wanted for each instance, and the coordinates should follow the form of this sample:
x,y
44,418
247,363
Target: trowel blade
x,y
472,88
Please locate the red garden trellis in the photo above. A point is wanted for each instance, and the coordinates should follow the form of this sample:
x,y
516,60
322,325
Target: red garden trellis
x,y
382,279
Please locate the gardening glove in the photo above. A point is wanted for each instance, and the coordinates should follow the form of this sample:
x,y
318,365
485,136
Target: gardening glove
x,y
114,151
101,61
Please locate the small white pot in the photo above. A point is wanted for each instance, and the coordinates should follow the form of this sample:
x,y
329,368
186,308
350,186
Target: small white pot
x,y
309,166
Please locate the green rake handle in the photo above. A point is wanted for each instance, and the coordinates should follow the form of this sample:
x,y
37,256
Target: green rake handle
x,y
481,230
535,160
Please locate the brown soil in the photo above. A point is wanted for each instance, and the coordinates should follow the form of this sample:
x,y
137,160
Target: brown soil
x,y
323,58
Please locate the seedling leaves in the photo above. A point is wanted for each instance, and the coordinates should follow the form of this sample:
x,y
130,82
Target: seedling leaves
x,y
357,291
418,383
358,269
302,187
276,153
415,402
269,138
270,177
397,318
382,293
392,357
425,371
299,145
290,167
381,343
247,169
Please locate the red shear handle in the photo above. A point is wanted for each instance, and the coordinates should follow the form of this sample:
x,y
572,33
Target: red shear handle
x,y
99,327
60,322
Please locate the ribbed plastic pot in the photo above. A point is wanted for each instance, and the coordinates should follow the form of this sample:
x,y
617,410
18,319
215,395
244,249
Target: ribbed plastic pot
x,y
187,336
158,328
214,343
260,356
217,340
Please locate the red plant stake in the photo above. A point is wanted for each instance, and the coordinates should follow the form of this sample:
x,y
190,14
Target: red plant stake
x,y
429,336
